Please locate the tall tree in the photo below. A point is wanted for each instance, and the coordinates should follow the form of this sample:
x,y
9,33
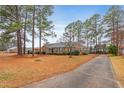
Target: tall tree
x,y
96,27
25,26
6,41
11,21
69,36
33,29
86,31
114,19
78,29
43,24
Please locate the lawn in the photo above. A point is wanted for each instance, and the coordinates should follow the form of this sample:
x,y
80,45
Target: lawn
x,y
18,71
118,65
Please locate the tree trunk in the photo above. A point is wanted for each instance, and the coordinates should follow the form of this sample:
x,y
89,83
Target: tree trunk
x,y
33,18
19,42
25,33
70,55
117,40
78,36
113,30
87,44
40,40
96,34
70,45
87,39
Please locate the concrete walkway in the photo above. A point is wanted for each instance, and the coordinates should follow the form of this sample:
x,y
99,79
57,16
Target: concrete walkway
x,y
97,73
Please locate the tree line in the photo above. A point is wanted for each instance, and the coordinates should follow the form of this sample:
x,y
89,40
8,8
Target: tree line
x,y
18,21
97,29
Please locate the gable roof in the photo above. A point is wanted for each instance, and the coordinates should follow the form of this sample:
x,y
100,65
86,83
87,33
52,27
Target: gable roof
x,y
57,45
61,44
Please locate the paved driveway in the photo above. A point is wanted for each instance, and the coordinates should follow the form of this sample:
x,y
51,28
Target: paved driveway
x,y
97,73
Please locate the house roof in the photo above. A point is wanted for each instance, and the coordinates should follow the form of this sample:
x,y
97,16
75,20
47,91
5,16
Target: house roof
x,y
56,45
61,44
12,48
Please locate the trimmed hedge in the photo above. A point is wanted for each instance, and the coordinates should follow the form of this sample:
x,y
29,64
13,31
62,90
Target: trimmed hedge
x,y
85,53
75,52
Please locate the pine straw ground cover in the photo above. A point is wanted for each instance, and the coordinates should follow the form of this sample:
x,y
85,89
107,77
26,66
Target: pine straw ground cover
x,y
118,65
18,71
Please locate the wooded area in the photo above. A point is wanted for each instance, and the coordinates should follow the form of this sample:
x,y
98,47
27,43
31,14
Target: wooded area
x,y
19,21
22,20
98,30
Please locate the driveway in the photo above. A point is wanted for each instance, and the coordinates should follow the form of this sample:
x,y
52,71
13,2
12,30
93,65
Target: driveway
x,y
97,73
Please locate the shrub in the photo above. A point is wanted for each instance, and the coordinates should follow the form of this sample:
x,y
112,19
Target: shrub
x,y
55,53
37,52
65,53
43,52
112,49
75,52
29,52
85,53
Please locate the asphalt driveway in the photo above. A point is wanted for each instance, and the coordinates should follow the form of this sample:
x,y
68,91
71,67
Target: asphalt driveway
x,y
98,73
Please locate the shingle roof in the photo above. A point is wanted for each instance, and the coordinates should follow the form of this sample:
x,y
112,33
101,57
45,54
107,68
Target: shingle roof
x,y
56,45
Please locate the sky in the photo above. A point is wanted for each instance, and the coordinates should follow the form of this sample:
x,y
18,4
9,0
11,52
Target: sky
x,y
65,14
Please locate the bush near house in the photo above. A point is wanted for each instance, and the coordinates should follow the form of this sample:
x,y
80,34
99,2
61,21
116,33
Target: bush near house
x,y
85,53
66,53
43,52
112,49
37,52
75,52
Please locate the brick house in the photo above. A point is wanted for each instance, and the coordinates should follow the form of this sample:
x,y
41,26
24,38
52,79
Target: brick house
x,y
61,47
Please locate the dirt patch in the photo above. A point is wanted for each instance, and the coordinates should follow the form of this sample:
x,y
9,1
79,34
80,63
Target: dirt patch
x,y
18,71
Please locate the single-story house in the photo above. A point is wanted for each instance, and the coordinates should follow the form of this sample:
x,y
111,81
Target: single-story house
x,y
37,49
62,47
12,50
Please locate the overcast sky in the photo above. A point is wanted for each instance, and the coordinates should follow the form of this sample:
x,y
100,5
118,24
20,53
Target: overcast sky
x,y
65,14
